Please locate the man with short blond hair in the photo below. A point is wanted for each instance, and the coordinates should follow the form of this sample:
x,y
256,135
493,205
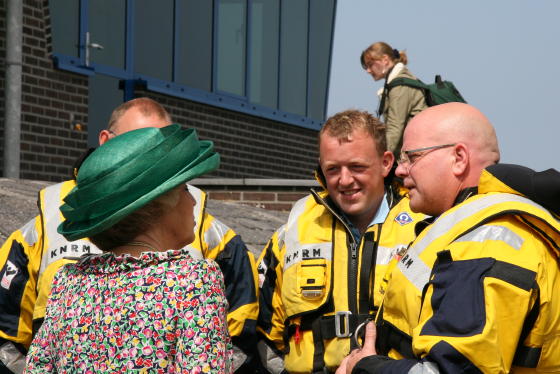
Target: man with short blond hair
x,y
321,273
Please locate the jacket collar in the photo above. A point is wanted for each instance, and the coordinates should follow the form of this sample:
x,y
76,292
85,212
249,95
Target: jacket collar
x,y
542,187
393,73
464,194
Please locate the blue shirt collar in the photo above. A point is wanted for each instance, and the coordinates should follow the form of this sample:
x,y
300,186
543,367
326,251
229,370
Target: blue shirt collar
x,y
379,217
382,212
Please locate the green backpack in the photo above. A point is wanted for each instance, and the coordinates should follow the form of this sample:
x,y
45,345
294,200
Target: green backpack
x,y
436,93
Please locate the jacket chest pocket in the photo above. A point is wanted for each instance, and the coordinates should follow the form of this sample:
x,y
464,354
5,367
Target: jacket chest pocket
x,y
311,278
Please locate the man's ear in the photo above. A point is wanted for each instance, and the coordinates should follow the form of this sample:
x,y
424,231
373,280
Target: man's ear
x,y
461,159
104,135
387,161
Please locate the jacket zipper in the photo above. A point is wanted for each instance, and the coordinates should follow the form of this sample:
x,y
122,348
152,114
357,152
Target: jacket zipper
x,y
352,260
353,277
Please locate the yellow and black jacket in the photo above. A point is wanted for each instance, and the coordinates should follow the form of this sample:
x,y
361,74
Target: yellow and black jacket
x,y
317,283
31,256
477,291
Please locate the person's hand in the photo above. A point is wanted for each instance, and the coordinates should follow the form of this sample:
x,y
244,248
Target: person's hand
x,y
368,349
343,366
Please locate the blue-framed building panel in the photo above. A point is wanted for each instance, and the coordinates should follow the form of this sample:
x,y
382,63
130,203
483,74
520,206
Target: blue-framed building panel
x,y
215,98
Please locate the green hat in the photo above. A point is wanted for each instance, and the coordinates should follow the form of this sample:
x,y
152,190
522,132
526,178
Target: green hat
x,y
129,171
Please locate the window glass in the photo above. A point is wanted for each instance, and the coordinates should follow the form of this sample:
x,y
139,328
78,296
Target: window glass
x,y
231,46
195,44
104,96
107,24
293,58
319,55
153,38
265,15
65,15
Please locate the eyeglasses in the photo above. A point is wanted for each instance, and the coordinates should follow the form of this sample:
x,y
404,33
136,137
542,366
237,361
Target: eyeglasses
x,y
411,156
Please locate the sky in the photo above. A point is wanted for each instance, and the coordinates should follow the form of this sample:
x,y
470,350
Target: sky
x,y
502,55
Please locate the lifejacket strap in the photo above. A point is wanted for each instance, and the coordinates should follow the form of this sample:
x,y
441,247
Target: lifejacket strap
x,y
327,325
369,257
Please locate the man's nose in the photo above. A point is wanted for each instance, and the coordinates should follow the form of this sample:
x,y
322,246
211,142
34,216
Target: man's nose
x,y
346,177
402,170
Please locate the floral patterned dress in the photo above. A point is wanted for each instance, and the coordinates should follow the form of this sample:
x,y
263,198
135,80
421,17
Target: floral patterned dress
x,y
164,312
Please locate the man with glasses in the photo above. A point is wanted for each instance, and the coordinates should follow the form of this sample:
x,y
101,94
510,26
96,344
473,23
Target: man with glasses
x,y
477,289
321,273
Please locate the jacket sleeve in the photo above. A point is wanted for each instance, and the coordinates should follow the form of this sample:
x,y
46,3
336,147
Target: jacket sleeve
x,y
237,264
20,259
386,365
271,310
475,306
401,100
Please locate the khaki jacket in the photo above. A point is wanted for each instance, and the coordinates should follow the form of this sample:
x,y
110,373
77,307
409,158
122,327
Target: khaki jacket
x,y
401,104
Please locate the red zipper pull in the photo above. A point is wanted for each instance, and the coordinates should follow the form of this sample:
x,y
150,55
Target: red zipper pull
x,y
297,335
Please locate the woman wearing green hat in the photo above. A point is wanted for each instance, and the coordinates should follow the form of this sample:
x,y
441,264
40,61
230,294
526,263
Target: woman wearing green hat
x,y
144,303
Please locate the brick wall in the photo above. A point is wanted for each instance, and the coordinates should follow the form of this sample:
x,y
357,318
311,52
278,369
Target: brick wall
x,y
271,194
250,147
2,73
51,99
270,200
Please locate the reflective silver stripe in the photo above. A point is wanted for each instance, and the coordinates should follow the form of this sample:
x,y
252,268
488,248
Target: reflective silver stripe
x,y
12,358
281,236
385,254
198,210
58,247
239,357
307,251
194,252
51,213
296,251
273,362
292,223
425,367
215,234
291,236
29,233
414,269
493,232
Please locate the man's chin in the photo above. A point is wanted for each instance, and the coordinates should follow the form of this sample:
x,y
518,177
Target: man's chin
x,y
345,203
414,209
418,207
351,210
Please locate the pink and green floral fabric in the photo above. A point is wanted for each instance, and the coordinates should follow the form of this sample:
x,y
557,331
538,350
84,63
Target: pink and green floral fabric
x,y
164,312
